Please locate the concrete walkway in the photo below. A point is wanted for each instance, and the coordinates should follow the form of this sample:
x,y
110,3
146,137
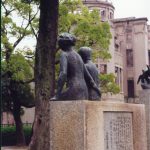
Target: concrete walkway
x,y
14,148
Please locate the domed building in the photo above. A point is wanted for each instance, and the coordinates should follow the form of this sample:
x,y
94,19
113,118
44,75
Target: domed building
x,y
129,48
106,9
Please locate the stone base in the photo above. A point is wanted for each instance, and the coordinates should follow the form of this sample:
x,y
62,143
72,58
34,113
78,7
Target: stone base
x,y
14,148
144,98
97,125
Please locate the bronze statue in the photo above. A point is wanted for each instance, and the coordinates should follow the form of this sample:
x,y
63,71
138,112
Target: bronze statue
x,y
85,53
73,72
145,78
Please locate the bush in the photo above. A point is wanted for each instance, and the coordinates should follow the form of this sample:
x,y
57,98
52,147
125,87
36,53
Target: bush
x,y
8,135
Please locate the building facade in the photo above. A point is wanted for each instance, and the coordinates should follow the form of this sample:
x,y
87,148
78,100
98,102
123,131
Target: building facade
x,y
132,34
129,48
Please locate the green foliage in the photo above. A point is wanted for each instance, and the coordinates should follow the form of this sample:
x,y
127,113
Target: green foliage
x,y
108,83
18,19
71,4
18,22
87,27
14,73
19,67
103,54
8,135
90,31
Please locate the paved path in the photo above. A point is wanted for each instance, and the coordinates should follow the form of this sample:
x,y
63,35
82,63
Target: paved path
x,y
14,148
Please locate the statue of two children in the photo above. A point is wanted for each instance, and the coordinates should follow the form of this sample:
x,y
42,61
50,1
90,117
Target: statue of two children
x,y
77,72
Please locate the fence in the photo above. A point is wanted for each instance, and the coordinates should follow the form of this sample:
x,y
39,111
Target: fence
x,y
24,124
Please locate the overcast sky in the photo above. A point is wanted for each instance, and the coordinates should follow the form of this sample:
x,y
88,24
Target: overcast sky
x,y
132,8
126,8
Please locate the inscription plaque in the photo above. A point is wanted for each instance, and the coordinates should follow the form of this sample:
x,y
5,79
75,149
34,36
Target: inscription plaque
x,y
118,134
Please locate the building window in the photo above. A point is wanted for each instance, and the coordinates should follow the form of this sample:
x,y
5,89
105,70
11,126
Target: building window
x,y
149,56
117,75
116,43
111,15
129,37
121,80
129,57
130,86
103,68
103,15
129,30
118,80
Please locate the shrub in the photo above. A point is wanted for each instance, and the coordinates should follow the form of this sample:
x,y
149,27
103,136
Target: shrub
x,y
8,135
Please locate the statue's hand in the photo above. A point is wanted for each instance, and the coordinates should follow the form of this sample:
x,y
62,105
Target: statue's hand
x,y
99,93
97,90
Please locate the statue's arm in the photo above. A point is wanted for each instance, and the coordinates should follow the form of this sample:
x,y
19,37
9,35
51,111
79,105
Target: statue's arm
x,y
90,80
62,75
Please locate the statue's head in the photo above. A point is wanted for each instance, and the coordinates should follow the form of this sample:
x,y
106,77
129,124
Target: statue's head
x,y
85,53
66,40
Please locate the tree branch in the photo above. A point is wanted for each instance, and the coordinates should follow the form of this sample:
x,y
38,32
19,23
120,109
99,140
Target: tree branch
x,y
35,34
10,12
23,34
7,12
29,56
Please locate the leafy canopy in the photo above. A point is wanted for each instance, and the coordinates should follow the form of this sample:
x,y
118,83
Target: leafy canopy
x,y
108,83
19,22
86,25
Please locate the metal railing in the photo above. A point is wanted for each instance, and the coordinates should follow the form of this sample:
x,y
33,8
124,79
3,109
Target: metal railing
x,y
8,124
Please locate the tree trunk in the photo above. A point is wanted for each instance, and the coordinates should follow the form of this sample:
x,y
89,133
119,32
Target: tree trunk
x,y
44,73
19,127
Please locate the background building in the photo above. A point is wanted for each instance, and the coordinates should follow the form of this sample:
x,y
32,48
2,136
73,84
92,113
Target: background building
x,y
130,49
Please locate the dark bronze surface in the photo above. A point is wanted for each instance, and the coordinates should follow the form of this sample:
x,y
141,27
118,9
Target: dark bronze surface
x,y
85,53
73,73
145,78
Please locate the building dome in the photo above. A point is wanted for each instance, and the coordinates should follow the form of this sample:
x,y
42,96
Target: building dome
x,y
105,7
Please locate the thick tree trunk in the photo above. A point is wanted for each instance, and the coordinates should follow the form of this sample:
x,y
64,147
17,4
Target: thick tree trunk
x,y
44,73
19,126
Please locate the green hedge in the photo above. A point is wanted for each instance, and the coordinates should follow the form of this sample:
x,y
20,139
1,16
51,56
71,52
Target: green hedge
x,y
8,135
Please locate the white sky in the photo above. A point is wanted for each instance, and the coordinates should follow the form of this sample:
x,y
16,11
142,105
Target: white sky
x,y
123,9
132,8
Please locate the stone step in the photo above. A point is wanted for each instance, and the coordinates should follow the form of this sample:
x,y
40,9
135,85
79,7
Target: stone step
x,y
14,148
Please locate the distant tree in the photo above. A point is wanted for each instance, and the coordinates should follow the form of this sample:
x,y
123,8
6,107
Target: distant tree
x,y
16,92
18,22
108,83
86,25
90,31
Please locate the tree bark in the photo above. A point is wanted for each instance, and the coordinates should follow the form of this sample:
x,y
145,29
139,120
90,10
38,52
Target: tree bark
x,y
44,73
19,127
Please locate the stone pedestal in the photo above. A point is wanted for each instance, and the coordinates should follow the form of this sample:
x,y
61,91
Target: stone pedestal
x,y
87,125
144,98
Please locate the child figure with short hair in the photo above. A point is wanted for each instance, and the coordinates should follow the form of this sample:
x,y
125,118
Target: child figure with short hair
x,y
85,53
